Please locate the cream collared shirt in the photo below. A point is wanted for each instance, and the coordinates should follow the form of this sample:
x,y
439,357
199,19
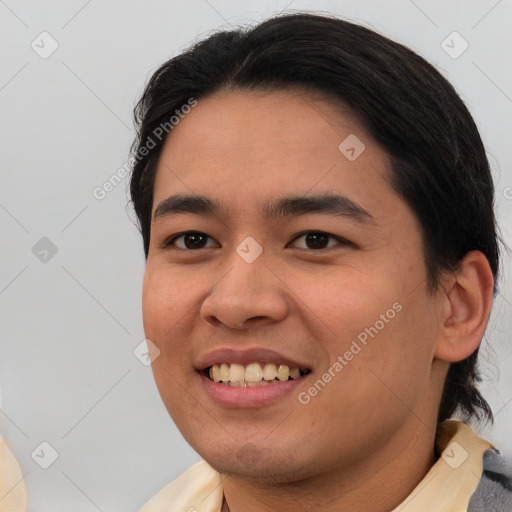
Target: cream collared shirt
x,y
13,492
448,485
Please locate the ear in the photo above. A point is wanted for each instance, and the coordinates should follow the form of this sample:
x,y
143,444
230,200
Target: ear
x,y
467,305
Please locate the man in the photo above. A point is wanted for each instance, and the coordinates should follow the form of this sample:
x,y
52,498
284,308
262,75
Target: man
x,y
316,209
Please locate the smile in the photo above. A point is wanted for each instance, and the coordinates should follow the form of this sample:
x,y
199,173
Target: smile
x,y
253,374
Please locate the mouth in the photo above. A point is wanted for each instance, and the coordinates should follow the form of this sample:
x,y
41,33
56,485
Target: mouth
x,y
254,374
250,378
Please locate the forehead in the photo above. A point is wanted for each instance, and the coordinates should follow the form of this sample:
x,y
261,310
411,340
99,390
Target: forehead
x,y
242,147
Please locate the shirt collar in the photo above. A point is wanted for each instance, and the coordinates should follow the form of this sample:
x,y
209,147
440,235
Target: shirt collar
x,y
447,486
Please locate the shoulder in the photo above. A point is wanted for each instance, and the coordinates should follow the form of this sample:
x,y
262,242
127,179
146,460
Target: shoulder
x,y
494,491
198,488
13,491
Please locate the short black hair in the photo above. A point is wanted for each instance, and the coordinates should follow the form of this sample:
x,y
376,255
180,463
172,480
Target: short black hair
x,y
439,164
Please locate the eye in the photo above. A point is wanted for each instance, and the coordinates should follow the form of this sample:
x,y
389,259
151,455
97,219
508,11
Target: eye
x,y
319,240
189,240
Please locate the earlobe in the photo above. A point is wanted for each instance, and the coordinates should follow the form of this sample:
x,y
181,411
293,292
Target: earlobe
x,y
468,305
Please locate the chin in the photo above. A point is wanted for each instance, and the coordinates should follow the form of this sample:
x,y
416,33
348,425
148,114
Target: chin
x,y
249,462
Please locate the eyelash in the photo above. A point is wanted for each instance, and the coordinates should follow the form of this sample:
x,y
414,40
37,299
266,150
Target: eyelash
x,y
341,241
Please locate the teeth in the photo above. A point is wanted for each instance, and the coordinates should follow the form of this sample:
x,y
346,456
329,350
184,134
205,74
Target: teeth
x,y
254,374
236,373
294,373
224,372
283,373
270,371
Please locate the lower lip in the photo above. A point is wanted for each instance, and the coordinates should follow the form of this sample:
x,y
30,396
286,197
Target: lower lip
x,y
245,398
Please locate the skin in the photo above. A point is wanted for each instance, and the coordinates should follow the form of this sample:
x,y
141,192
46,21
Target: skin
x,y
367,439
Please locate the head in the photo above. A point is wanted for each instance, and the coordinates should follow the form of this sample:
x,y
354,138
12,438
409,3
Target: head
x,y
312,107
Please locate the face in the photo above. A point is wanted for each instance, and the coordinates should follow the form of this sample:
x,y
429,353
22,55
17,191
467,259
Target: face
x,y
330,283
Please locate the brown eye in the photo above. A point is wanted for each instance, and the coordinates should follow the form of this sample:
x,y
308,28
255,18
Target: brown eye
x,y
319,240
190,240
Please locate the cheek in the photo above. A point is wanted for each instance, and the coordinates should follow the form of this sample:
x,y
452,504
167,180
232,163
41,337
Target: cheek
x,y
383,332
388,361
151,305
164,303
169,309
345,303
163,308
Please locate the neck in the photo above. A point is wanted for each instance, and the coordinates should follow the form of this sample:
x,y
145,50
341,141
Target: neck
x,y
376,484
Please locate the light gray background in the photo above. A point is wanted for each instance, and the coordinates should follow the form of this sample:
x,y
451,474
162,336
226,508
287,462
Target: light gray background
x,y
69,325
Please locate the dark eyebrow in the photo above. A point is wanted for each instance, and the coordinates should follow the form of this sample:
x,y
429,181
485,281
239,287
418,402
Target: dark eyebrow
x,y
332,204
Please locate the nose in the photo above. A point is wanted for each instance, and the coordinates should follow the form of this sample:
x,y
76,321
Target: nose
x,y
246,295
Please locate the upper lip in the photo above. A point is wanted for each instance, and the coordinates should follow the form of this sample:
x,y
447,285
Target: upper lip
x,y
246,356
